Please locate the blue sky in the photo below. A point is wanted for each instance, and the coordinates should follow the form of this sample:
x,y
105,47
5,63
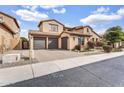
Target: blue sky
x,y
98,17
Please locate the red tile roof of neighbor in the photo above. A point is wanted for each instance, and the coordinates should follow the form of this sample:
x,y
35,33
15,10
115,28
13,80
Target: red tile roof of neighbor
x,y
11,17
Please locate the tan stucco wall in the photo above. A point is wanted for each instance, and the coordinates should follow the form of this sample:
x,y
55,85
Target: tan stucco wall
x,y
73,41
11,40
45,27
10,22
86,32
90,32
94,36
5,38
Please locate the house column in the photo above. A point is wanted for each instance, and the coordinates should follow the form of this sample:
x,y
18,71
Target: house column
x,y
85,40
59,42
46,42
69,43
31,47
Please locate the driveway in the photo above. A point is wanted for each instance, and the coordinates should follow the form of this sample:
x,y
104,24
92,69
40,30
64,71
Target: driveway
x,y
101,74
48,55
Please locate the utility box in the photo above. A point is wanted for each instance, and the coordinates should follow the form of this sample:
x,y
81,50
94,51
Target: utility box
x,y
11,58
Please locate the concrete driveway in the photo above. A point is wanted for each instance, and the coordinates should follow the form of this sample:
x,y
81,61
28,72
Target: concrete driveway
x,y
48,55
101,74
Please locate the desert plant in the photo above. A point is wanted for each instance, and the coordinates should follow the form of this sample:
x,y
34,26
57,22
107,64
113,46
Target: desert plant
x,y
107,48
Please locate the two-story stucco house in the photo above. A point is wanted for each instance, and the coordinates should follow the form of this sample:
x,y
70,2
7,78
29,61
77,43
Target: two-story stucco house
x,y
54,35
9,32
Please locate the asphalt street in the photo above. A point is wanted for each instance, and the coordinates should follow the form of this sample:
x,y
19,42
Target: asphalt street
x,y
107,73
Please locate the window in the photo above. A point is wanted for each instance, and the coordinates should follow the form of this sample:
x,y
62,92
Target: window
x,y
96,39
81,31
87,30
93,39
80,41
54,28
73,38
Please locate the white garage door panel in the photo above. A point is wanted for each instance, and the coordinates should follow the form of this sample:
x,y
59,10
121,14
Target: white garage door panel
x,y
39,43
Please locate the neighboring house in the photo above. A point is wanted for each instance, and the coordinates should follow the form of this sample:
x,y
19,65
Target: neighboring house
x,y
9,32
54,35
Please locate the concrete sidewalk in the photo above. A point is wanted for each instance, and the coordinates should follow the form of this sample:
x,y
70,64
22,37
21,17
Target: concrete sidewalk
x,y
20,73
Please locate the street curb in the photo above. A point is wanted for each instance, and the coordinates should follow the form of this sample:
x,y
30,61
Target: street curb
x,y
20,73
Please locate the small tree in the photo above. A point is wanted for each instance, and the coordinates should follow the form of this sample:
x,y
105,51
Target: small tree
x,y
114,34
24,39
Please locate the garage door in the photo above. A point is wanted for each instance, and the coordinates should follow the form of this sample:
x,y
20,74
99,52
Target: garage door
x,y
52,43
64,42
39,43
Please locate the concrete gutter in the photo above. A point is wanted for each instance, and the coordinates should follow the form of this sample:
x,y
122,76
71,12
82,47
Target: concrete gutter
x,y
25,72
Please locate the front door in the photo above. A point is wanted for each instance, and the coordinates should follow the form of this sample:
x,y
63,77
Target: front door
x,y
64,43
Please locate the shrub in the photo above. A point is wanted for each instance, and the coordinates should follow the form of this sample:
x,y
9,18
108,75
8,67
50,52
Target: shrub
x,y
107,48
90,44
77,47
99,44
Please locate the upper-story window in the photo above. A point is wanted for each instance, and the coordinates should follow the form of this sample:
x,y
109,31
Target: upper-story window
x,y
93,39
54,28
81,31
88,30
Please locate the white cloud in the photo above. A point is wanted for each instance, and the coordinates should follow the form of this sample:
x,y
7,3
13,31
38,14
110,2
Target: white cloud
x,y
31,7
24,33
19,22
24,30
50,6
101,10
101,31
100,18
69,25
102,15
59,11
121,11
28,15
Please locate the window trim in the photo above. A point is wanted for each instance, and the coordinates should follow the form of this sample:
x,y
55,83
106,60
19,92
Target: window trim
x,y
51,27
